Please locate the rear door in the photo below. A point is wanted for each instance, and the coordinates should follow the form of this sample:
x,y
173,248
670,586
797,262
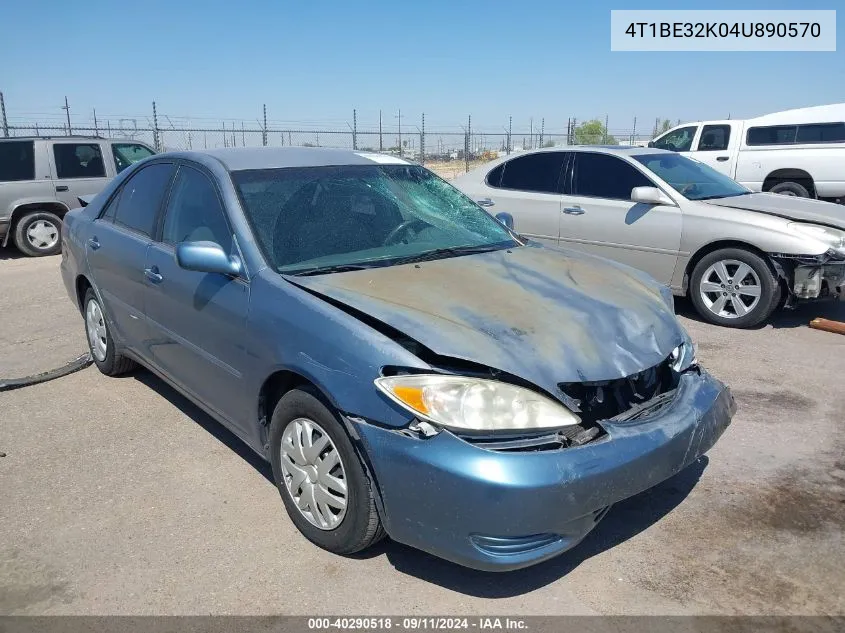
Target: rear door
x,y
117,249
528,187
197,320
79,168
599,217
717,146
24,177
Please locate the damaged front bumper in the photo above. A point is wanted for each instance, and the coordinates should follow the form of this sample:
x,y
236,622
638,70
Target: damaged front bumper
x,y
811,276
498,511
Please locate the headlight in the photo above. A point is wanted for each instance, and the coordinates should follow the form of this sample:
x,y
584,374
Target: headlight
x,y
684,356
832,237
474,404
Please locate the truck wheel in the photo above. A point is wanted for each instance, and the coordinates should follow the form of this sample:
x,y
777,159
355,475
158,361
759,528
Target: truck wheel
x,y
791,189
734,287
39,233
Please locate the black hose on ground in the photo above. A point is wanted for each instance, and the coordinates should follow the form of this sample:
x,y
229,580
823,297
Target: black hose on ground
x,y
7,384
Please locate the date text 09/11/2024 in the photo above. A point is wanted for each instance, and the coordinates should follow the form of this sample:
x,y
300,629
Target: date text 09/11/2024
x,y
416,623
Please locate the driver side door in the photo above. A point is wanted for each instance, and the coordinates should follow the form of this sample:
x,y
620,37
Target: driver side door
x,y
196,321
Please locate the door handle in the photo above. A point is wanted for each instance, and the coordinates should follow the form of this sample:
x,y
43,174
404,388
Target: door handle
x,y
722,159
61,187
573,211
153,275
486,202
93,243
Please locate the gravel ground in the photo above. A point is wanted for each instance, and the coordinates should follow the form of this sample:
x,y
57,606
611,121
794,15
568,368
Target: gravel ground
x,y
121,497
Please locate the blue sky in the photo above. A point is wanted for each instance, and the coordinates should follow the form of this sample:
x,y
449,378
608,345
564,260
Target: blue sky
x,y
313,62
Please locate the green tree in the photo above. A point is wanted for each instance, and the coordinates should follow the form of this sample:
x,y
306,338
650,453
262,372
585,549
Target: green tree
x,y
593,133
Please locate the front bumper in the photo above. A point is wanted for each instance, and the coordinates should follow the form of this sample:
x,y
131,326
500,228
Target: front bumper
x,y
499,511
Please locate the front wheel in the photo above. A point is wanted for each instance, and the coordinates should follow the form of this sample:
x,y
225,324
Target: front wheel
x,y
39,233
734,287
326,492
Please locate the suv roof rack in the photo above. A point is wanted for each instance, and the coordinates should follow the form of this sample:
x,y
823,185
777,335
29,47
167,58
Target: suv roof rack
x,y
50,137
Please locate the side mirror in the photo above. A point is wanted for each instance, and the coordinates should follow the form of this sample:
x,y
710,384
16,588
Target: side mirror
x,y
206,257
650,195
506,219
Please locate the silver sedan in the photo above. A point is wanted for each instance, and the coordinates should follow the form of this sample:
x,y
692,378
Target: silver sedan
x,y
737,254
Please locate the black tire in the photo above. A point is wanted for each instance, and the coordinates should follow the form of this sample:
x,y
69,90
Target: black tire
x,y
791,189
770,289
50,222
114,363
360,526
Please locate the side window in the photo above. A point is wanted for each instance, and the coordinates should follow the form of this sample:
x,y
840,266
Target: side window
x,y
126,154
140,198
194,213
538,172
79,160
714,138
605,176
814,133
111,207
679,140
494,178
772,135
17,161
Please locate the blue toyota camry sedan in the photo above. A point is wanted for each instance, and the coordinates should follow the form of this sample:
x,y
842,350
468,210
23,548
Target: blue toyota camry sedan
x,y
407,363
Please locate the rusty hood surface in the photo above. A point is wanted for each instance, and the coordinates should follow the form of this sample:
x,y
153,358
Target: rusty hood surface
x,y
547,315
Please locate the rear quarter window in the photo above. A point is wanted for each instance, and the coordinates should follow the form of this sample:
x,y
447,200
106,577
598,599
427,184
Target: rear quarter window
x,y
17,161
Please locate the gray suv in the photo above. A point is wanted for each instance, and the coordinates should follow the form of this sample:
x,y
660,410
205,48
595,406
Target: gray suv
x,y
42,178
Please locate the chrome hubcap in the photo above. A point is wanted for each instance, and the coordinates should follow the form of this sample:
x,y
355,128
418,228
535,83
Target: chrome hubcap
x,y
313,473
730,289
42,234
95,325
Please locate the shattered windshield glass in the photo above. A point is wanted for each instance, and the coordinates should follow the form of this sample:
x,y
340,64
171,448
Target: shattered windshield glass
x,y
326,219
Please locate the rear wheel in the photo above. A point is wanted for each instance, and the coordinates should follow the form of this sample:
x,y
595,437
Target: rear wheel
x,y
791,189
39,233
100,341
326,492
734,287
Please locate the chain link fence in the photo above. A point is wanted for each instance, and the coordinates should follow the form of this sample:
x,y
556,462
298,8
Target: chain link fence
x,y
449,153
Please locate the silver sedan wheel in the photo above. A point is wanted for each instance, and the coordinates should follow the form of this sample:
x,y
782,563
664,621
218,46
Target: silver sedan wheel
x,y
42,234
314,474
730,289
95,325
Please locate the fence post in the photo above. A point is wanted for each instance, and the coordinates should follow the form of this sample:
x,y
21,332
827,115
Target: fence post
x,y
468,141
264,133
156,143
400,133
574,135
380,141
3,115
354,129
422,141
542,130
606,123
510,134
634,131
96,128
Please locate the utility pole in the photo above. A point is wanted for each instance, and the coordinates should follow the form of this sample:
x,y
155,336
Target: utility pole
x,y
96,128
3,115
66,108
380,141
264,133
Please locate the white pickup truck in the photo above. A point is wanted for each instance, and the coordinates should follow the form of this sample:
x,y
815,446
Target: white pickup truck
x,y
795,152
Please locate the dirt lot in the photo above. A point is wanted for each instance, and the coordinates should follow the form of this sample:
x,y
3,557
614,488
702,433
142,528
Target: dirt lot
x,y
120,497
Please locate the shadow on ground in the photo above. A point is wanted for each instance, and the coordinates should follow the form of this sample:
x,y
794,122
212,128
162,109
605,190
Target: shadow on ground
x,y
800,316
625,520
10,252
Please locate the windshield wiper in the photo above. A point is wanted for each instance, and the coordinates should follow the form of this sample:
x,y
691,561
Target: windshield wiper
x,y
730,195
337,268
443,253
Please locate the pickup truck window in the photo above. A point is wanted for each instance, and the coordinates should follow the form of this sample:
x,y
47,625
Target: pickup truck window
x,y
714,138
809,134
821,133
679,140
17,161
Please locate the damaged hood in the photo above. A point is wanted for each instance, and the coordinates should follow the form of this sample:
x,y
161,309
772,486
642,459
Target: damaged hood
x,y
790,207
547,315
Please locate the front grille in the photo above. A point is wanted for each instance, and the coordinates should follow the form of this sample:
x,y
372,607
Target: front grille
x,y
601,400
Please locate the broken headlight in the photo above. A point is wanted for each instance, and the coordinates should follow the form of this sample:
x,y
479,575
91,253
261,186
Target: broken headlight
x,y
474,404
684,355
834,238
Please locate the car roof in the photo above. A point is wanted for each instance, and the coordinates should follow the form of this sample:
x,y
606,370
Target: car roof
x,y
617,150
71,138
243,158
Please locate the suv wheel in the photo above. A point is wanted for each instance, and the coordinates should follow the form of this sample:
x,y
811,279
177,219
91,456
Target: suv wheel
x,y
734,287
39,233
